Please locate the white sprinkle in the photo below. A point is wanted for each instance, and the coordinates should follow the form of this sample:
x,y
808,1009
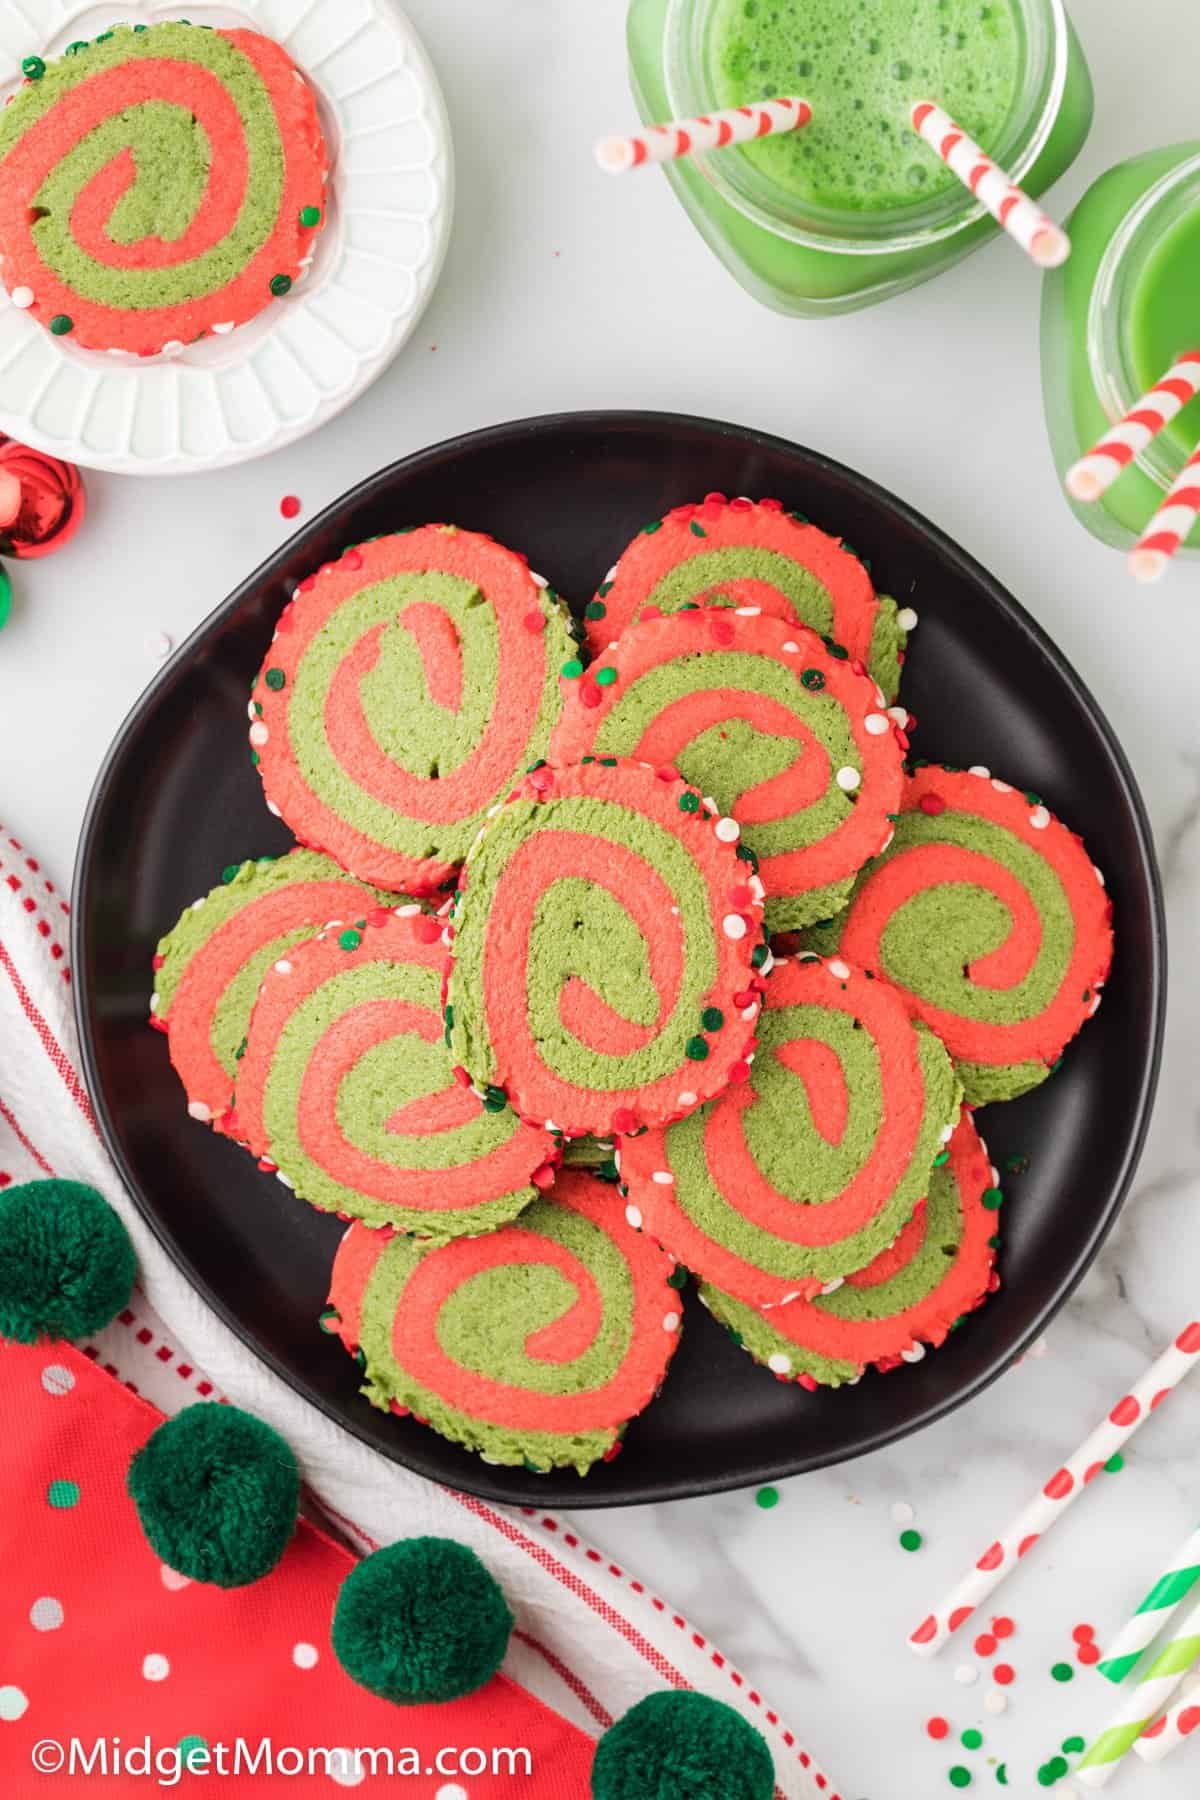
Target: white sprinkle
x,y
633,1217
966,1674
886,844
197,904
305,1656
1002,787
709,802
898,715
22,297
838,969
907,618
57,1380
223,329
685,1099
155,1667
198,1110
283,966
1039,818
790,646
914,1354
612,574
747,612
538,580
159,644
46,1614
728,830
831,1287
881,699
251,711
173,347
671,1322
1094,1008
902,1513
154,1003
876,723
407,912
1099,874
663,1177
996,1702
273,810
779,1364
768,964
258,734
734,926
749,1012
978,769
848,779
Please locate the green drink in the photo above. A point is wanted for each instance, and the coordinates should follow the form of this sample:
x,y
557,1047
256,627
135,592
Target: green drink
x,y
1115,318
854,207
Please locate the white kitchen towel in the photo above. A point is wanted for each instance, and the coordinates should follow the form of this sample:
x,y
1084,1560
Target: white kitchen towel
x,y
591,1640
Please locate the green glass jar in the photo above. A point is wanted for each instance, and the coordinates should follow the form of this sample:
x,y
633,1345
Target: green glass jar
x,y
800,252
1115,318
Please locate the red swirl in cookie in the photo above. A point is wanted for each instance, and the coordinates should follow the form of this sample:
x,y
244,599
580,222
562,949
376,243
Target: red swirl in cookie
x,y
606,942
806,1172
346,1087
158,184
408,685
536,1343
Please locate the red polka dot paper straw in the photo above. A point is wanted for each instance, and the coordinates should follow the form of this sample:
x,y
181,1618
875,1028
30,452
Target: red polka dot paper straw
x,y
1061,1491
1092,474
1175,1727
1170,525
738,125
1024,221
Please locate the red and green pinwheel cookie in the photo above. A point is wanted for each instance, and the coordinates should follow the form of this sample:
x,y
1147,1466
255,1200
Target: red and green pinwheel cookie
x,y
913,1294
408,686
158,184
346,1088
795,747
606,948
806,1172
535,1344
208,968
991,919
738,553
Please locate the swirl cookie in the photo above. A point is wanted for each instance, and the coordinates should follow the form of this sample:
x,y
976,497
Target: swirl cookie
x,y
736,553
940,1267
209,966
991,919
797,750
606,940
807,1171
346,1087
407,686
158,184
535,1344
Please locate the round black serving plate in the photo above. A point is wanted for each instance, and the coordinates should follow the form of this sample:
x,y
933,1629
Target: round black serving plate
x,y
177,800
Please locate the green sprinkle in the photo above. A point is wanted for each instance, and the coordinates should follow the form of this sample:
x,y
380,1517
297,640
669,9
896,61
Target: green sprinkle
x,y
329,1319
993,1199
448,1015
595,609
280,285
943,1156
767,1498
102,37
910,1540
994,1242
697,1049
60,324
678,1278
608,762
972,1739
350,939
758,956
1035,799
76,47
689,802
960,1777
697,530
604,590
241,1049
712,1018
1073,1745
605,677
1002,1774
310,216
275,679
837,651
230,873
800,518
572,669
1115,1464
33,68
539,764
495,1099
813,680
745,854
254,758
1063,1672
649,530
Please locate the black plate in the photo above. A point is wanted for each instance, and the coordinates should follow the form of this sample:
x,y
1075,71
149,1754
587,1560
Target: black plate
x,y
177,800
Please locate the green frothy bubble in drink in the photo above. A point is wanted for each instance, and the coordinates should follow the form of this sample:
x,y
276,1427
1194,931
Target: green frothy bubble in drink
x,y
862,64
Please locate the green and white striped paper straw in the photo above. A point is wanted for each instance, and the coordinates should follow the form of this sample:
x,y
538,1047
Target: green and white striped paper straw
x,y
1165,1597
1142,1704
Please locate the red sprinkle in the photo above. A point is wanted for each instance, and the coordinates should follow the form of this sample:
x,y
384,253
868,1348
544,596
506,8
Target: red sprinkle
x,y
938,1729
740,1072
933,804
667,773
651,612
624,1119
1003,1628
542,780
379,915
771,505
807,1382
722,631
741,896
741,506
746,998
1004,1674
985,1644
158,962
1083,1634
289,506
534,621
352,560
543,1177
428,930
716,499
589,694
460,1075
1088,1655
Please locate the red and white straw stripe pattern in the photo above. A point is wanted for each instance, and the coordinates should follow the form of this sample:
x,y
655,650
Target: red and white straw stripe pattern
x,y
1011,207
738,125
1171,524
1060,1492
1092,474
1175,1727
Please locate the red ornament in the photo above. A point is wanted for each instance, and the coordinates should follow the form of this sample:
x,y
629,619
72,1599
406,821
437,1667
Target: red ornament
x,y
45,507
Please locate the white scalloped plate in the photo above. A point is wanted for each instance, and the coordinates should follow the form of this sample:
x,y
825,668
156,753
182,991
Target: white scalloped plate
x,y
390,201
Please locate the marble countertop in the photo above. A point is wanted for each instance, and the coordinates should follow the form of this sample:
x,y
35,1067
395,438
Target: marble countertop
x,y
565,290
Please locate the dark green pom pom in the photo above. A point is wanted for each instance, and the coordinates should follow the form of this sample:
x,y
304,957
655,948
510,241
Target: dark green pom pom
x,y
66,1263
217,1493
421,1620
682,1746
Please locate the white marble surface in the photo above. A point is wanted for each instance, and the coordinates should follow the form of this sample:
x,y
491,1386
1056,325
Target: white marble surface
x,y
564,289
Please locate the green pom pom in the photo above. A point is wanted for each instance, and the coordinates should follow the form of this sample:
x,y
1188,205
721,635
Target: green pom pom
x,y
421,1620
682,1746
217,1493
66,1263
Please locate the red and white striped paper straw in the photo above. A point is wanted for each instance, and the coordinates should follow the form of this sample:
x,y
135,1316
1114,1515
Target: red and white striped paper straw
x,y
738,125
1011,207
1060,1492
1170,525
1092,474
1175,1727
